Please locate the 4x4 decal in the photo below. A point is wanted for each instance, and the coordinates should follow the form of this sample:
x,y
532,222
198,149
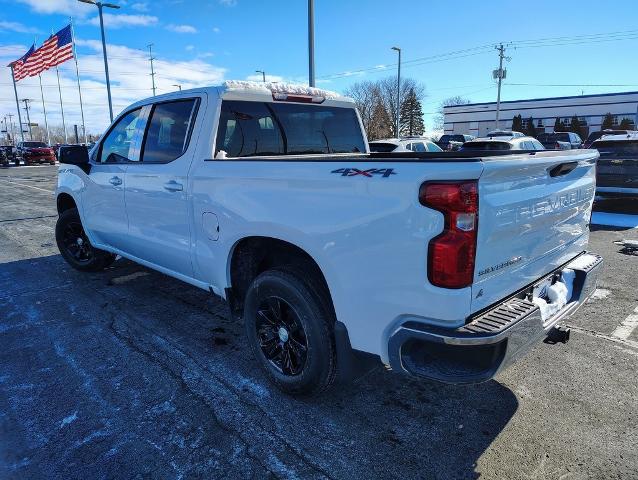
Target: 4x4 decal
x,y
352,172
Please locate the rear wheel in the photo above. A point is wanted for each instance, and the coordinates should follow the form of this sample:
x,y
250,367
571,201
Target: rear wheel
x,y
75,246
290,330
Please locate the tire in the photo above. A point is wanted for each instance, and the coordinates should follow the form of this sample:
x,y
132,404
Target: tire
x,y
290,329
75,247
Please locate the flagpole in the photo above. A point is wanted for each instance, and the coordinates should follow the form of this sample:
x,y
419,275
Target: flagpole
x,y
77,74
15,90
57,71
44,108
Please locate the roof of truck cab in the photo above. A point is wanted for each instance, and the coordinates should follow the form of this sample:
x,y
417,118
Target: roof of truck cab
x,y
254,91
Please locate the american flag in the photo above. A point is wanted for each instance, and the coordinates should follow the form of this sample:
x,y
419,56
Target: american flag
x,y
19,66
56,50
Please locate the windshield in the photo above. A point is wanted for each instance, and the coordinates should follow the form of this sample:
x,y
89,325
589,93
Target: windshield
x,y
452,138
35,145
382,147
248,129
553,137
487,146
617,148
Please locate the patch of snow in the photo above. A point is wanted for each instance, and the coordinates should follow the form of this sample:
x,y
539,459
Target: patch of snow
x,y
277,87
614,219
600,294
68,420
557,295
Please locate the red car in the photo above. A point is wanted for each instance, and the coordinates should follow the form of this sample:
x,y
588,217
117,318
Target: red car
x,y
35,152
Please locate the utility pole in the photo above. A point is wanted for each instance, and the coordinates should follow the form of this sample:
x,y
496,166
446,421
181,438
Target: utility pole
x,y
26,107
10,115
263,75
499,75
311,43
398,90
150,57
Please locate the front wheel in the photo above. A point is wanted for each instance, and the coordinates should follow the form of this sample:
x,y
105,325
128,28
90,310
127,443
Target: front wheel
x,y
75,246
290,331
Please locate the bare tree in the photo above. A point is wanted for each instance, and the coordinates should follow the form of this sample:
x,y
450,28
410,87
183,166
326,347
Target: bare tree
x,y
377,103
439,118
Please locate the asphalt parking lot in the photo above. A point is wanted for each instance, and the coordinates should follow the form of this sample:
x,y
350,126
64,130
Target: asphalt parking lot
x,y
132,374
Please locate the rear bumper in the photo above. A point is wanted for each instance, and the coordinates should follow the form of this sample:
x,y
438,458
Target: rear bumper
x,y
490,342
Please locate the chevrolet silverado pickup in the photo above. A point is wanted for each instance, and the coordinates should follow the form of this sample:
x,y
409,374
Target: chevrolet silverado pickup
x,y
444,265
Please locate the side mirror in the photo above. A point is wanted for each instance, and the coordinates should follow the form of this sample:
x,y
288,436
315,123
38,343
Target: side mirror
x,y
74,155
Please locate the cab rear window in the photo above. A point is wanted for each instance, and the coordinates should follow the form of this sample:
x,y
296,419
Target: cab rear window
x,y
249,129
486,146
617,148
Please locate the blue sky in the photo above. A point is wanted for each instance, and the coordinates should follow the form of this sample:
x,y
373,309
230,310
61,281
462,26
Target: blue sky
x,y
203,42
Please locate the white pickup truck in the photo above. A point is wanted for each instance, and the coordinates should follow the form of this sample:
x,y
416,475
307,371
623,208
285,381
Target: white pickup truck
x,y
445,265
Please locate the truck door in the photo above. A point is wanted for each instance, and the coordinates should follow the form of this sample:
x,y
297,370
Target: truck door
x,y
103,212
157,193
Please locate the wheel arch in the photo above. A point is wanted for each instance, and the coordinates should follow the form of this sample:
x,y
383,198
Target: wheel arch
x,y
65,201
253,255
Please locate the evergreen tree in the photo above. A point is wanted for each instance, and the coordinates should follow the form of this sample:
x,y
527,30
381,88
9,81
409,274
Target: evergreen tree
x,y
411,116
531,129
627,124
608,122
559,126
576,127
517,123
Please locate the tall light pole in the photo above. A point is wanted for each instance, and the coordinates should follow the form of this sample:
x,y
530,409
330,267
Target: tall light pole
x,y
178,86
100,6
398,89
311,43
263,75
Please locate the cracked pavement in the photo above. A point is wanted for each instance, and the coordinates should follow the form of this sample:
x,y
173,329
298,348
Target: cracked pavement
x,y
129,373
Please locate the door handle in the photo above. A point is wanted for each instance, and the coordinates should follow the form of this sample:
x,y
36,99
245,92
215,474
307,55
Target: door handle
x,y
173,186
115,181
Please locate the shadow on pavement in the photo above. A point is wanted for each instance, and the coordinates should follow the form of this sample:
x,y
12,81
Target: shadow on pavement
x,y
131,373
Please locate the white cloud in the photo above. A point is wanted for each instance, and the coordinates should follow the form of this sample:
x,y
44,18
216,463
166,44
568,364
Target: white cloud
x,y
62,7
228,3
140,7
181,28
16,27
124,20
257,77
216,29
130,81
189,48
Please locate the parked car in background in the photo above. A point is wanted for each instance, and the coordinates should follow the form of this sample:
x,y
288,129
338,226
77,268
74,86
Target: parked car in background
x,y
560,140
503,143
9,152
401,145
4,161
35,152
452,142
505,133
593,136
617,168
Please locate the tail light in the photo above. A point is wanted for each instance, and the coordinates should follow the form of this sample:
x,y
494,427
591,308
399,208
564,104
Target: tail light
x,y
288,97
451,254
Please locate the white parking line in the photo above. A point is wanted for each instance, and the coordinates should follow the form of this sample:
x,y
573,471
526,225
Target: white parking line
x,y
624,330
28,186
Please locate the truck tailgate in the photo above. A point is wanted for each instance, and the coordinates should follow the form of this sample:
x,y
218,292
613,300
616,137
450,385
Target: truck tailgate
x,y
534,213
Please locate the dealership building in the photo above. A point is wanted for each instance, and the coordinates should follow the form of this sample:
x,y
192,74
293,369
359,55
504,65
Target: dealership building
x,y
479,118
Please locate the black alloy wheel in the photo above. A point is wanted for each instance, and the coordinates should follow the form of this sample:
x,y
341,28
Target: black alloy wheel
x,y
76,243
282,338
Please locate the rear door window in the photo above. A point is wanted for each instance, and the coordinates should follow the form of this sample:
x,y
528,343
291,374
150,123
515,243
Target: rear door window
x,y
168,131
248,129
